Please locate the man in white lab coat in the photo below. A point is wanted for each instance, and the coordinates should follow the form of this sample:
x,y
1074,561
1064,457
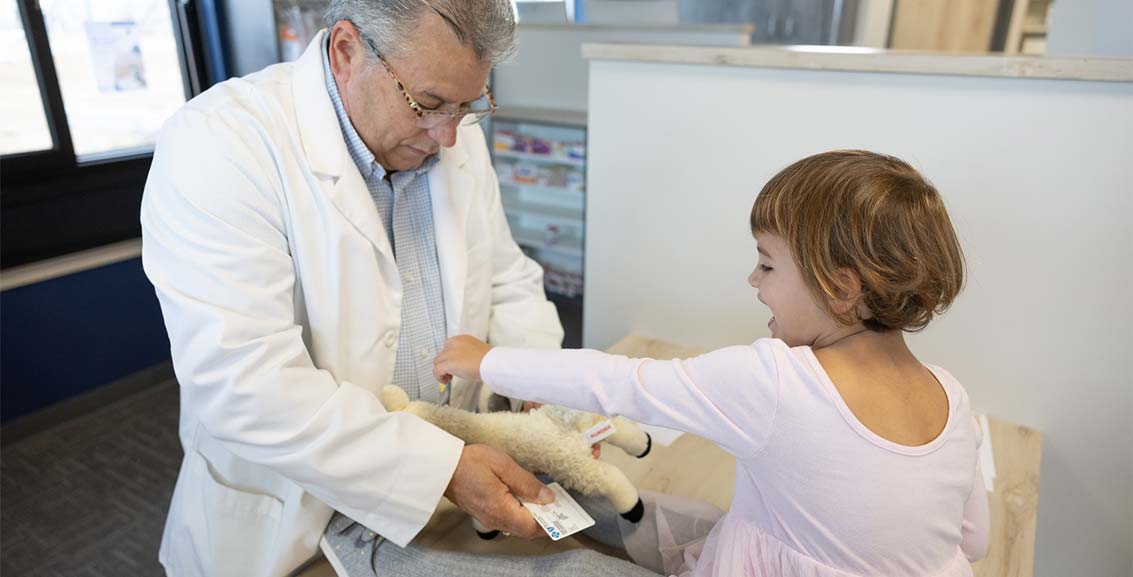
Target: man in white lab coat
x,y
315,231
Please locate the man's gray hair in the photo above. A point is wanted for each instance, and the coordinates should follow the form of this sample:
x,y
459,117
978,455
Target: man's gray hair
x,y
485,26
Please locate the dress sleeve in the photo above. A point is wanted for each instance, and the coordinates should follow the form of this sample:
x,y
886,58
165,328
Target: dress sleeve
x,y
729,396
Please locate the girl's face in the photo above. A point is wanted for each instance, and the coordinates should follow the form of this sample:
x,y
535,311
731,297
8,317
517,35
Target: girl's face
x,y
796,317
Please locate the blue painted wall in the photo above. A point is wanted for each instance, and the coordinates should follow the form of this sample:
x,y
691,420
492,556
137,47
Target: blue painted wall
x,y
70,335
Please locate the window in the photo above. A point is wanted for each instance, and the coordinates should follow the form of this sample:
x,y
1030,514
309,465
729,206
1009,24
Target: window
x,y
119,70
87,86
25,126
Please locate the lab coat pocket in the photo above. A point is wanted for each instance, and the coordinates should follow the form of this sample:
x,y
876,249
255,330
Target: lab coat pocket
x,y
237,524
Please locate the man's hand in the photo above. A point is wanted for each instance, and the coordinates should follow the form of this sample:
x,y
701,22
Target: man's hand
x,y
486,484
461,357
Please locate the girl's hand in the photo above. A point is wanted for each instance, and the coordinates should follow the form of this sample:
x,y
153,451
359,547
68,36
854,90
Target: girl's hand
x,y
460,358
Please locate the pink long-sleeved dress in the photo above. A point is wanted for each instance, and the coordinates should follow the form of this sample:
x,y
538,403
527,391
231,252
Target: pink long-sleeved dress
x,y
817,494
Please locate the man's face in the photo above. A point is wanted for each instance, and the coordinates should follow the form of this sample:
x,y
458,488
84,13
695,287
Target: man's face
x,y
437,71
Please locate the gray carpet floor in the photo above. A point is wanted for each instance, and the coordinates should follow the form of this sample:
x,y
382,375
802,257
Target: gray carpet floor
x,y
89,497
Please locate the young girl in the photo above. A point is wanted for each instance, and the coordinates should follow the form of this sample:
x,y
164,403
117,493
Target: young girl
x,y
853,457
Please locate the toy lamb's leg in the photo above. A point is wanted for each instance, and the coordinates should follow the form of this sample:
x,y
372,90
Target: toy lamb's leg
x,y
627,435
590,477
483,532
630,438
622,493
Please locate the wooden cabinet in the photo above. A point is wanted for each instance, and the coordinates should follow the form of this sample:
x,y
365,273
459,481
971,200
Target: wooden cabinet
x,y
952,26
970,26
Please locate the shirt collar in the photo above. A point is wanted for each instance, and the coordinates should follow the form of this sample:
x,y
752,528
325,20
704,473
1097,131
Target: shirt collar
x,y
359,152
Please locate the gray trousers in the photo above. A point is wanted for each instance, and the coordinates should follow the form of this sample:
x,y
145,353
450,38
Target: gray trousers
x,y
412,561
369,555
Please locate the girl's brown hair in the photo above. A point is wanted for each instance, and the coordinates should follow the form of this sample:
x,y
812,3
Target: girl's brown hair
x,y
872,214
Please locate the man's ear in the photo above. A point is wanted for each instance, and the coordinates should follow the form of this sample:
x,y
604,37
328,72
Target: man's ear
x,y
345,50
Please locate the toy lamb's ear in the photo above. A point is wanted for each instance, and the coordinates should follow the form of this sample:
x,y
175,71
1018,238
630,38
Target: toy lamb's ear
x,y
393,398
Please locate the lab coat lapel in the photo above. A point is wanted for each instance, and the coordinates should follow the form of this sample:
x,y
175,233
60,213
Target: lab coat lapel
x,y
351,197
450,186
326,149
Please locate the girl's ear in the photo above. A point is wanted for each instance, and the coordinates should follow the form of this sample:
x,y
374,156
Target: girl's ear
x,y
849,292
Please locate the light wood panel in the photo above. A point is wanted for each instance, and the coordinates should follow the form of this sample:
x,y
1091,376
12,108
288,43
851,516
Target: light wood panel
x,y
1014,503
952,26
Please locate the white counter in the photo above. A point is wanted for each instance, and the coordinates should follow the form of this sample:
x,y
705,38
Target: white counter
x,y
856,59
549,72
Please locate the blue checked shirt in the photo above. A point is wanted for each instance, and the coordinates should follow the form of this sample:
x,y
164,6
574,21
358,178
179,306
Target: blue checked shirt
x,y
404,205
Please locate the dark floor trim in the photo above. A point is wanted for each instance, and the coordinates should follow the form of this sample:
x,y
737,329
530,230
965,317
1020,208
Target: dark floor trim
x,y
61,412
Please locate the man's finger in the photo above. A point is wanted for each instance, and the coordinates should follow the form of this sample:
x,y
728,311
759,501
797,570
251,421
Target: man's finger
x,y
521,483
518,521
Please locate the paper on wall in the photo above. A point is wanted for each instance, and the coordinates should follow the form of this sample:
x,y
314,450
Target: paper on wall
x,y
116,55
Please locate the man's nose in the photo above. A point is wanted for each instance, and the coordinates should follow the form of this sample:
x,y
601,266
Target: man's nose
x,y
445,134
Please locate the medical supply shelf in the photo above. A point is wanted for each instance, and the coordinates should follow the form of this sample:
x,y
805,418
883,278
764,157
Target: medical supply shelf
x,y
540,162
541,158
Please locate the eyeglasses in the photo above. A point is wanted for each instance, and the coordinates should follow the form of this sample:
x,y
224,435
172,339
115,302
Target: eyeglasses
x,y
429,118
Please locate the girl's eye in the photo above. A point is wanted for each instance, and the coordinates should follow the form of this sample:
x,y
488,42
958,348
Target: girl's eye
x,y
764,268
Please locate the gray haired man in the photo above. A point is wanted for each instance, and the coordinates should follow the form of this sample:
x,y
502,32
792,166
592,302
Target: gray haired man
x,y
314,231
437,55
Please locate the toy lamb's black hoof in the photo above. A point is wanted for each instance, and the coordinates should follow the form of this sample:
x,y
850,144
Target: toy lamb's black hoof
x,y
648,446
636,513
488,536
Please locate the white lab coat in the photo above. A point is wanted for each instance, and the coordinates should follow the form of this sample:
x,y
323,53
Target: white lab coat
x,y
283,305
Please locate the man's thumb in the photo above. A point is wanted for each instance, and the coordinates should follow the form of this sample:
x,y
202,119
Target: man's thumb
x,y
523,484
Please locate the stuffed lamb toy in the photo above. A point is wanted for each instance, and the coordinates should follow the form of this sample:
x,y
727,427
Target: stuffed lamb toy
x,y
550,439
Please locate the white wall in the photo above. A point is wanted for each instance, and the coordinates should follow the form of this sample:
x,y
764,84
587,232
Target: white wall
x,y
548,70
1090,28
1037,174
632,12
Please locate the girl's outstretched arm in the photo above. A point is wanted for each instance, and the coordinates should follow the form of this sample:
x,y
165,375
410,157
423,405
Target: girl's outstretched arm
x,y
729,396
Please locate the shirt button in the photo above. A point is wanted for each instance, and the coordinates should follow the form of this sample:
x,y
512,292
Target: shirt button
x,y
391,338
424,354
409,277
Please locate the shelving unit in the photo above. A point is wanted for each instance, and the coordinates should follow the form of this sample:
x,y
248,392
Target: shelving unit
x,y
1026,33
565,216
540,162
548,190
541,158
